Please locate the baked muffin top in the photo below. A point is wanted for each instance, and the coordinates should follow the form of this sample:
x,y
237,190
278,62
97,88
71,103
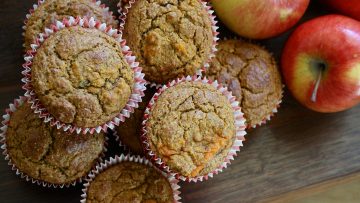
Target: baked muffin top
x,y
191,128
51,10
45,153
251,73
129,132
130,182
81,76
170,38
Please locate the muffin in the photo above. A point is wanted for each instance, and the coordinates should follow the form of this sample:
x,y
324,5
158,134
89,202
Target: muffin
x,y
46,154
191,128
51,10
252,75
81,76
129,132
129,181
170,38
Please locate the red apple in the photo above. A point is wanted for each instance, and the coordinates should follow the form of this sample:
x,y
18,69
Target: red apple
x,y
321,63
347,7
259,19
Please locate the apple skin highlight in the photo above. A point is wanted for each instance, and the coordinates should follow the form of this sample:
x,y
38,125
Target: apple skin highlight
x,y
259,19
333,42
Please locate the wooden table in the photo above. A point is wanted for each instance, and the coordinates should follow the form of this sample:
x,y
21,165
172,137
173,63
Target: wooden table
x,y
297,149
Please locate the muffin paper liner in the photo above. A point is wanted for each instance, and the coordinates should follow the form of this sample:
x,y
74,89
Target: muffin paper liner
x,y
123,158
122,146
123,10
138,88
239,124
273,112
6,119
40,2
277,106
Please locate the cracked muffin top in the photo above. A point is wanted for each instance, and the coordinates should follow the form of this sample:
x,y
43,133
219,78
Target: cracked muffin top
x,y
191,128
170,38
130,182
81,76
129,132
45,153
52,10
251,73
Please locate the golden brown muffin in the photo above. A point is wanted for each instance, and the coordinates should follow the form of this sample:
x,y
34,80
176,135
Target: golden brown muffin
x,y
129,132
52,10
191,128
252,75
81,76
170,38
130,182
47,154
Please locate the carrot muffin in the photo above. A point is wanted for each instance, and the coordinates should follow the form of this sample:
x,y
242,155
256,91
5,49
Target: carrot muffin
x,y
47,154
51,10
170,38
191,127
81,76
251,73
129,132
130,182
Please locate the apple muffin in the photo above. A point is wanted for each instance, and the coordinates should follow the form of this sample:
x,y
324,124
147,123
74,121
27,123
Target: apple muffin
x,y
51,10
170,38
46,154
191,127
81,76
251,73
129,132
130,182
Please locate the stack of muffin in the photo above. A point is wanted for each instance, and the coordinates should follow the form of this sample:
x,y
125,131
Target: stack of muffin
x,y
156,84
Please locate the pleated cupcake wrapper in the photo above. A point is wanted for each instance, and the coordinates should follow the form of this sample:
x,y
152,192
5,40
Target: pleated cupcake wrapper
x,y
277,106
122,146
273,112
123,9
138,88
40,2
239,124
128,158
6,119
121,6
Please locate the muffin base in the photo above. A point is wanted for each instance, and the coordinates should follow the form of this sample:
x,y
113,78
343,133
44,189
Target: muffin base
x,y
239,125
124,10
137,159
273,112
40,2
276,107
6,119
137,92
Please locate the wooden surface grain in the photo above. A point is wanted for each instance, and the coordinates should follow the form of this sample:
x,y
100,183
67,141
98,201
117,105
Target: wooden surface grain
x,y
297,149
343,189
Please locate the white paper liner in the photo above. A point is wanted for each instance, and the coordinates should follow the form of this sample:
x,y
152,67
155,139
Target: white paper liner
x,y
120,7
138,88
40,2
6,119
277,106
125,158
115,134
124,10
239,124
273,112
122,146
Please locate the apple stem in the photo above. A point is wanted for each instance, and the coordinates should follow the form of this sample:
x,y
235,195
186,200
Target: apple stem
x,y
314,93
